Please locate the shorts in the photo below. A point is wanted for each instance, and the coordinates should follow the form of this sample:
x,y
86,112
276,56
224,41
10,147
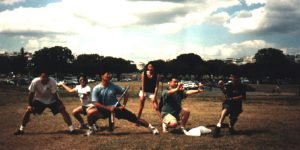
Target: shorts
x,y
147,94
84,108
233,108
39,107
171,118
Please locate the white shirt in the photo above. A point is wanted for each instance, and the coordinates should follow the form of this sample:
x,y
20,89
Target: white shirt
x,y
43,93
82,91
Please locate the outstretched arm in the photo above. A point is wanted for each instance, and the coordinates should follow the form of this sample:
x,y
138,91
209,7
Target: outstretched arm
x,y
70,90
199,90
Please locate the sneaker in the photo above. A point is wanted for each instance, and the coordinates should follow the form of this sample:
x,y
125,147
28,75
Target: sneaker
x,y
154,130
96,128
217,132
164,128
232,131
90,132
19,132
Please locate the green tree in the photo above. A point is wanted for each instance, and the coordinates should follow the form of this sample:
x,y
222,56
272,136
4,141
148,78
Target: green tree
x,y
54,60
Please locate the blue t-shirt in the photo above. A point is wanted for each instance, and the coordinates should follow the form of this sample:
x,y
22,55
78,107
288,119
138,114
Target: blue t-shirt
x,y
107,96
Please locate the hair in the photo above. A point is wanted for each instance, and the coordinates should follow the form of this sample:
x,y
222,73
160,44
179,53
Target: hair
x,y
84,78
172,77
146,66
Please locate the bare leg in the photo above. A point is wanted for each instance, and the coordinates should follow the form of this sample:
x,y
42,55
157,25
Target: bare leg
x,y
26,117
76,113
65,115
142,103
185,117
223,115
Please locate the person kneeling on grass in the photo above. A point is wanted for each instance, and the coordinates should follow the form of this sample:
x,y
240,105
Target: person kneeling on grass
x,y
235,93
43,94
171,105
104,98
84,92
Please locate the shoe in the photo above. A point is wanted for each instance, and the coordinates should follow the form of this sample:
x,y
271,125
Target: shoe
x,y
154,130
19,132
95,127
90,132
164,128
83,126
217,132
232,131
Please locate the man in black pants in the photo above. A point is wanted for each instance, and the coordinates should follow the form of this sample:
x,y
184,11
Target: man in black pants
x,y
235,93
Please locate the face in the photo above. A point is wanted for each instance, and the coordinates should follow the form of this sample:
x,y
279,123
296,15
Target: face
x,y
173,83
234,79
44,78
150,68
106,76
82,81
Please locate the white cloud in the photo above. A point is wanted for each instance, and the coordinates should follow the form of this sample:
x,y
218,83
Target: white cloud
x,y
247,21
10,2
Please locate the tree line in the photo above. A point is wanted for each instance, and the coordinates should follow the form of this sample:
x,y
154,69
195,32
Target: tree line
x,y
271,64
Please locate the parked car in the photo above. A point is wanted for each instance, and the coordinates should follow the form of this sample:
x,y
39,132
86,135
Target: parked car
x,y
187,85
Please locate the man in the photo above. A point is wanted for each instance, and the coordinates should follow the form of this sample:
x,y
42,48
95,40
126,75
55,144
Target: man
x,y
171,105
43,94
104,98
235,93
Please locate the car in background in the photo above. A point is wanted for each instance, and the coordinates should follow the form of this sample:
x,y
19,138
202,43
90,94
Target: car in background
x,y
188,85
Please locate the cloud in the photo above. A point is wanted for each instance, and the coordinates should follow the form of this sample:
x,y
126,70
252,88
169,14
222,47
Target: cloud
x,y
10,2
281,17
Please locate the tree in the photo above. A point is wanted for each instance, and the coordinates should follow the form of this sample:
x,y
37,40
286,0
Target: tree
x,y
272,63
118,65
54,60
89,64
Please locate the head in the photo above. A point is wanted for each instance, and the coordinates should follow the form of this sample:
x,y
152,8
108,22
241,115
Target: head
x,y
173,83
44,78
234,78
149,67
82,80
105,76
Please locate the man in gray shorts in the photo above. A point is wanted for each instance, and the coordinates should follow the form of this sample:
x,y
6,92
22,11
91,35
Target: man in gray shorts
x,y
43,94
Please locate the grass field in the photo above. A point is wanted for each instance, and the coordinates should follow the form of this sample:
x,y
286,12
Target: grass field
x,y
269,121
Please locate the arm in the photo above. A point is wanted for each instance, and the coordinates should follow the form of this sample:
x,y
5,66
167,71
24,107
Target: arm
x,y
172,91
70,90
143,84
30,98
199,90
100,106
157,85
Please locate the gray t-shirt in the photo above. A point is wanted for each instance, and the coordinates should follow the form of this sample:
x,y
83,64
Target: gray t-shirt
x,y
107,96
172,103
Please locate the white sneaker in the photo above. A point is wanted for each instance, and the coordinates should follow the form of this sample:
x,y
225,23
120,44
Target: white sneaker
x,y
164,128
154,130
90,132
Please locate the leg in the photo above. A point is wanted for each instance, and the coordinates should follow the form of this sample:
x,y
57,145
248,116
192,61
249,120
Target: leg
x,y
185,116
141,107
155,106
26,117
76,113
224,113
65,115
233,119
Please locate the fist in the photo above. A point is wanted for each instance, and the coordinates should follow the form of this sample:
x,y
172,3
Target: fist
x,y
221,83
60,83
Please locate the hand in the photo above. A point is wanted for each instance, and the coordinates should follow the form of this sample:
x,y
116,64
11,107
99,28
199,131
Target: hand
x,y
30,108
221,84
60,83
201,87
180,87
111,108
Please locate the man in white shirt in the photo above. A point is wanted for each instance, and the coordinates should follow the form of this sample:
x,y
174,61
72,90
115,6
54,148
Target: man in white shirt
x,y
43,94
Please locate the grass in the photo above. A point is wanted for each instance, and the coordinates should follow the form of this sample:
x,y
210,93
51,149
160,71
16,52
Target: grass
x,y
269,121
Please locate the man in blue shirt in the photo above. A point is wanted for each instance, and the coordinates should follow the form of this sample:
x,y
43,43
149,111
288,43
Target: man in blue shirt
x,y
104,98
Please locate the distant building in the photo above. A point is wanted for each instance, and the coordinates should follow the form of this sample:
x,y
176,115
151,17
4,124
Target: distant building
x,y
297,58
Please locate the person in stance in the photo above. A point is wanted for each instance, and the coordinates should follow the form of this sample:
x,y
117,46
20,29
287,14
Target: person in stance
x,y
170,105
84,92
149,89
235,93
43,94
104,98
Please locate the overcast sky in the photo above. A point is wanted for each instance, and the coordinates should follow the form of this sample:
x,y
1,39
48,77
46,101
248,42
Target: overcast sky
x,y
144,30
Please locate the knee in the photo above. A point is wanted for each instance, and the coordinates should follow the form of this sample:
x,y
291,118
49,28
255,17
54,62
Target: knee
x,y
186,111
74,112
172,124
91,112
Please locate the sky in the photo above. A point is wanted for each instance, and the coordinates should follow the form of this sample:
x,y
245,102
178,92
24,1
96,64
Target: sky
x,y
145,30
